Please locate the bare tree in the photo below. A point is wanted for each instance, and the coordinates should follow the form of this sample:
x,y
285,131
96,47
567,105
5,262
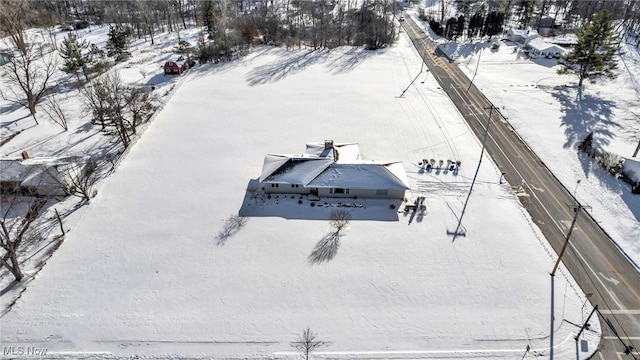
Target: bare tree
x,y
118,108
339,219
14,231
105,99
307,343
32,64
81,178
140,105
55,112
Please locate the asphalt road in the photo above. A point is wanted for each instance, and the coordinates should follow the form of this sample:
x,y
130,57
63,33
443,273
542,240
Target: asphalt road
x,y
602,271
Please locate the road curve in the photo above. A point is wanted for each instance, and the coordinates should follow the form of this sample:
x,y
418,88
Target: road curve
x,y
602,271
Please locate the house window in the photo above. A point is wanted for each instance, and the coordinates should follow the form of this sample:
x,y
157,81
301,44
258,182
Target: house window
x,y
382,192
339,191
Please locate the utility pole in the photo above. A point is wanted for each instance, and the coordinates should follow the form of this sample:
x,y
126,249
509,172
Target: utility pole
x,y
484,141
414,79
476,72
584,326
576,208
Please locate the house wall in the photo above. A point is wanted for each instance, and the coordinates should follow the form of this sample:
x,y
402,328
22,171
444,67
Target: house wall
x,y
362,193
277,188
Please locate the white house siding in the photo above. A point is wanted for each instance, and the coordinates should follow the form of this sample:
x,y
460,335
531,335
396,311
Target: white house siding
x,y
362,193
282,188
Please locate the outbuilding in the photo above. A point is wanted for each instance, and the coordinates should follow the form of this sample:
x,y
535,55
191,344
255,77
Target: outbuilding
x,y
174,68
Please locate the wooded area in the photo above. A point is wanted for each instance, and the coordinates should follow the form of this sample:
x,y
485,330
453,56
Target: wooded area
x,y
234,23
474,18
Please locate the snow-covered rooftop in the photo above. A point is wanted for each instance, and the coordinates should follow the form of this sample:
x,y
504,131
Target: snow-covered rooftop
x,y
632,168
359,176
333,165
543,46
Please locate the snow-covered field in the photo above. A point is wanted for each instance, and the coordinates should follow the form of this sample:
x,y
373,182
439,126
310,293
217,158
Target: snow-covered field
x,y
143,270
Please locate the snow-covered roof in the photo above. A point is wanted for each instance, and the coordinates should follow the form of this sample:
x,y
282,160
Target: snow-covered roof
x,y
543,46
361,176
317,167
293,170
524,33
519,32
566,39
36,172
632,168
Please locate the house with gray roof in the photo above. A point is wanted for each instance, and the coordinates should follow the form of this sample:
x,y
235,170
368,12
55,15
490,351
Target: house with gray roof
x,y
333,170
38,176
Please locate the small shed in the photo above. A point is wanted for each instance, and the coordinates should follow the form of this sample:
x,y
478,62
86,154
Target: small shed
x,y
174,68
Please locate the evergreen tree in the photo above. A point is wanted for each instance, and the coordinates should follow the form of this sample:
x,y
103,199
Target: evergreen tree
x,y
117,43
460,26
71,51
493,23
593,56
475,25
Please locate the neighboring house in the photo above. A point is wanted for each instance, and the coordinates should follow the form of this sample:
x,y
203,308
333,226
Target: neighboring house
x,y
521,35
37,176
539,47
333,170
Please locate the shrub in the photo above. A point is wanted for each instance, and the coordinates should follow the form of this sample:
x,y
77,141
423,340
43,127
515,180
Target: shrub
x,y
610,162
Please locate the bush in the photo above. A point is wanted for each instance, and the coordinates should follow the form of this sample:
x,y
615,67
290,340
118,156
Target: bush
x,y
610,162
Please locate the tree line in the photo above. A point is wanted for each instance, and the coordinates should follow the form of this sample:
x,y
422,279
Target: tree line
x,y
476,18
235,23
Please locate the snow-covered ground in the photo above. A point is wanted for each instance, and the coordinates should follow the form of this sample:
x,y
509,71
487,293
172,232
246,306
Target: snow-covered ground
x,y
148,270
553,115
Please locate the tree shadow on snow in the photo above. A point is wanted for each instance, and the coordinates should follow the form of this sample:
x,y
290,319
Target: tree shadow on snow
x,y
583,114
326,249
232,225
285,65
348,60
